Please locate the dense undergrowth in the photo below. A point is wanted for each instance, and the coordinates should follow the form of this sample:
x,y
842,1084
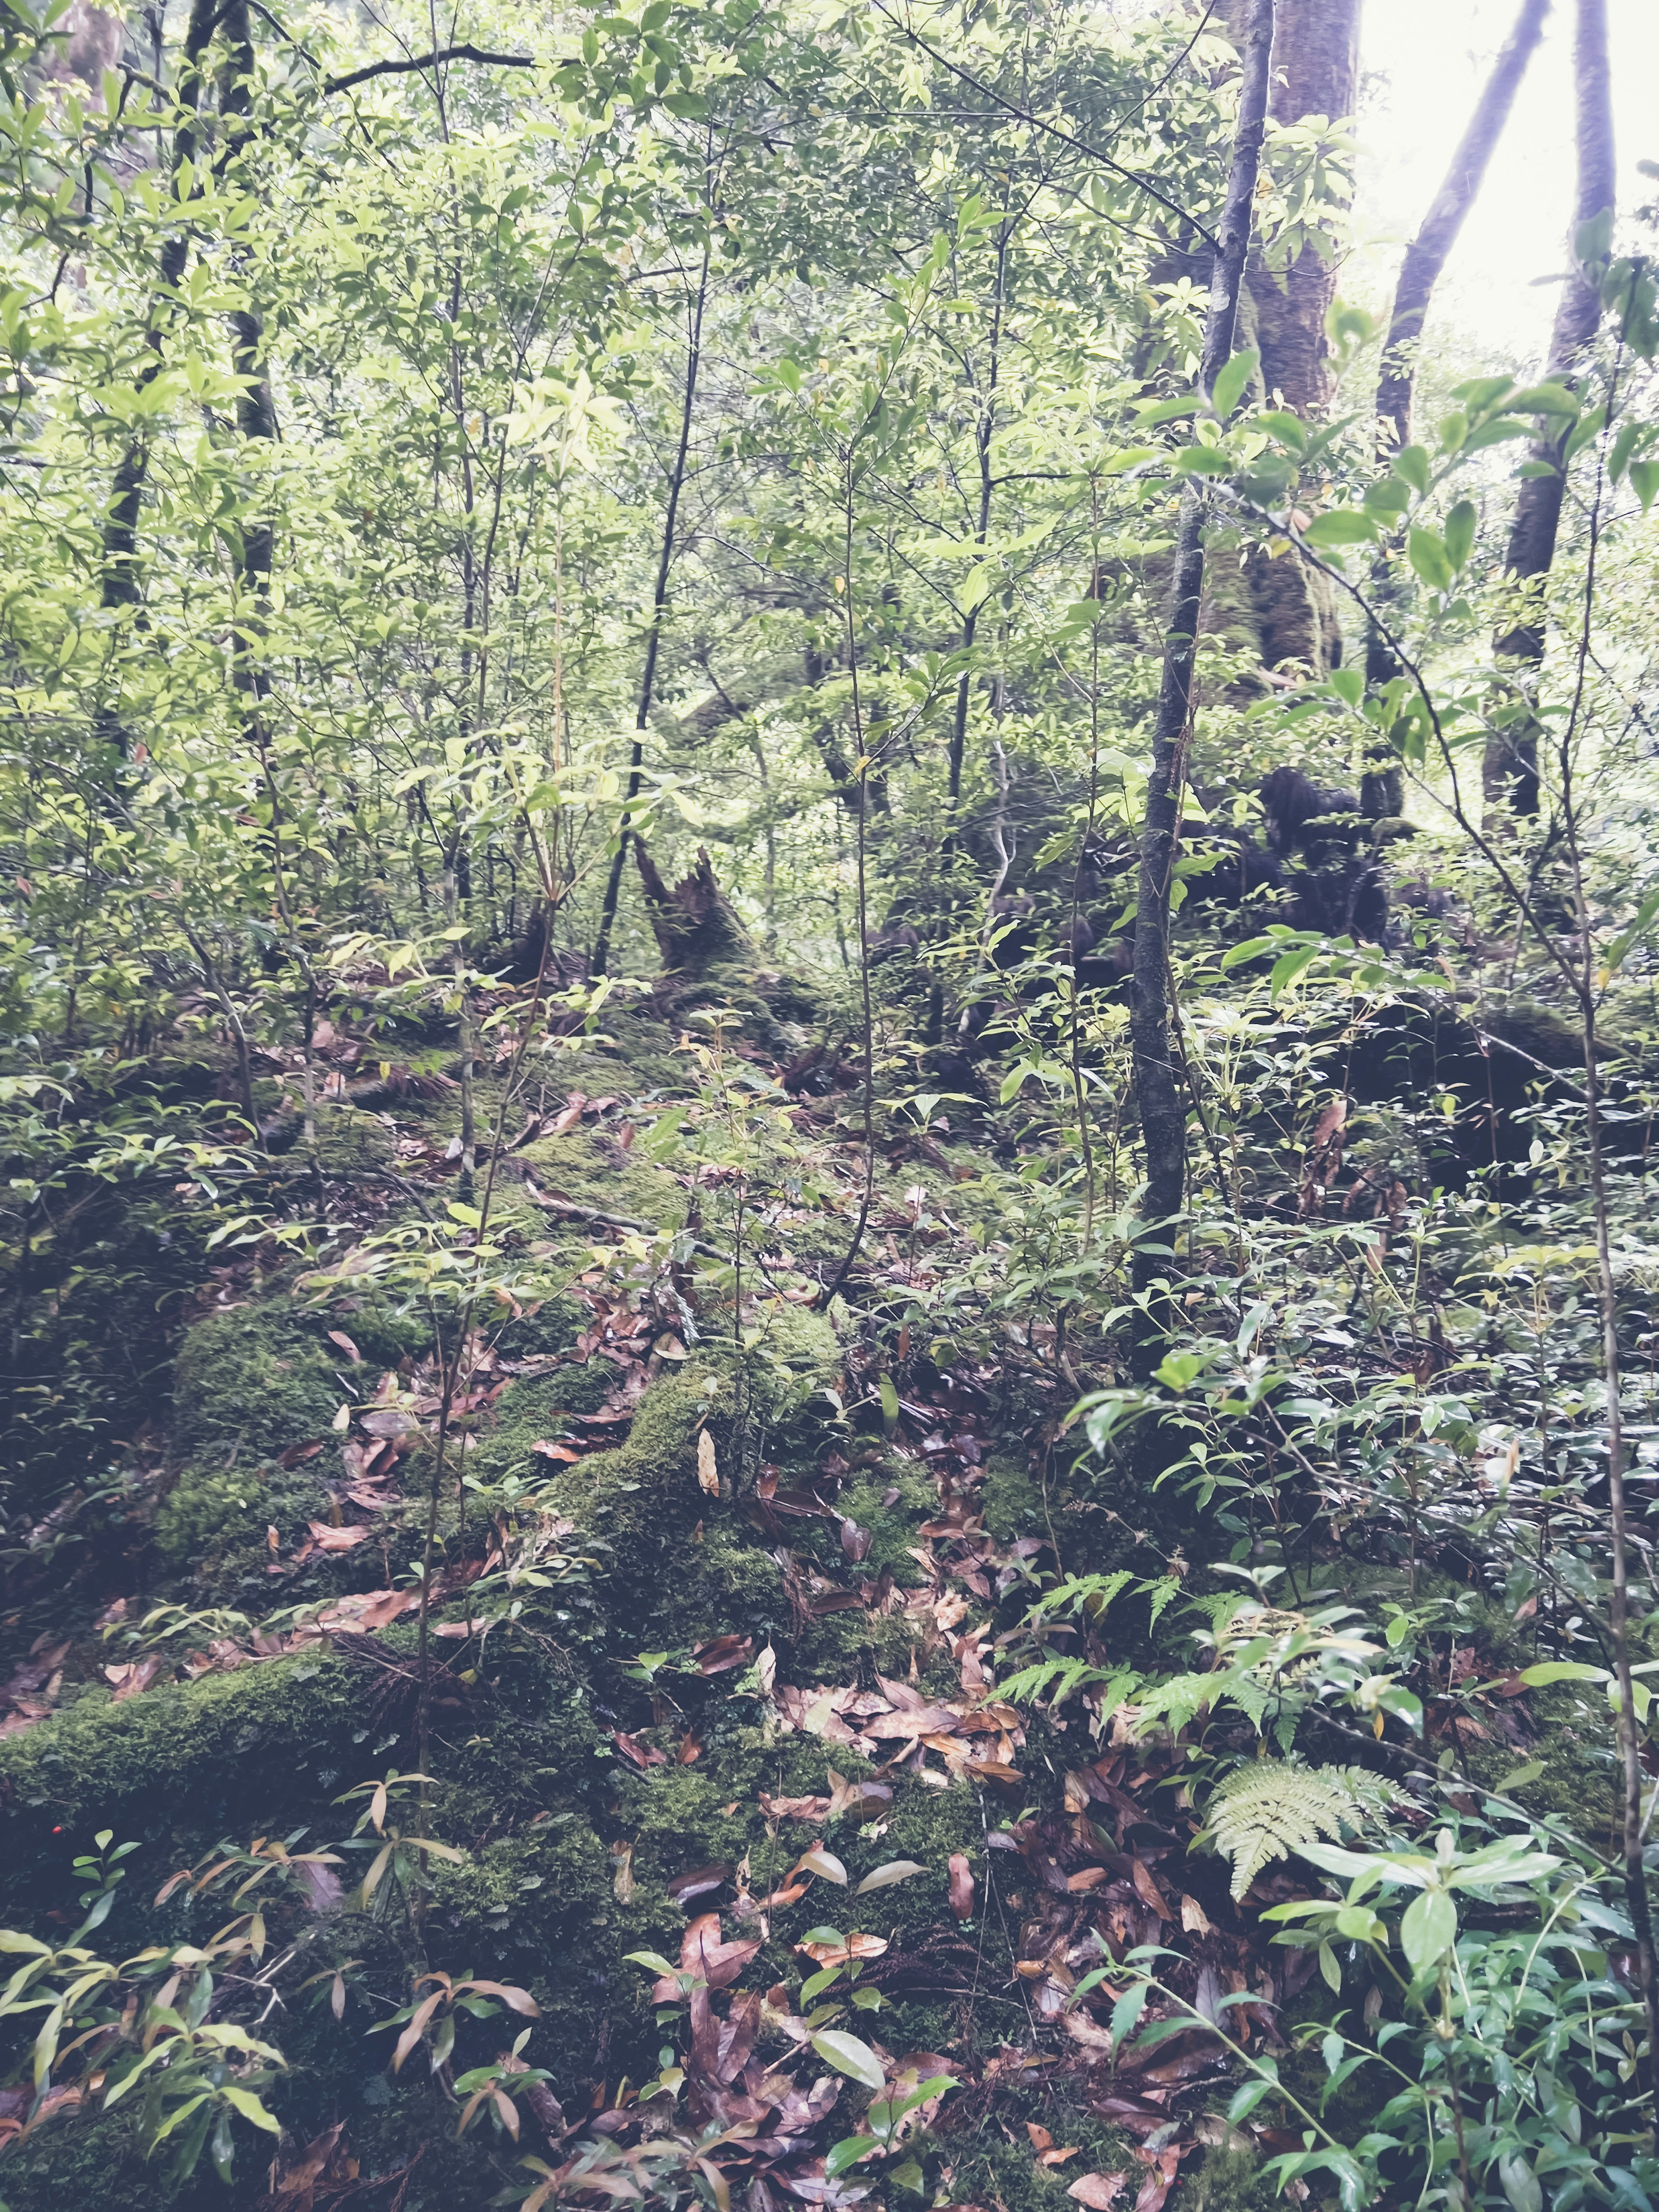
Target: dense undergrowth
x,y
640,1565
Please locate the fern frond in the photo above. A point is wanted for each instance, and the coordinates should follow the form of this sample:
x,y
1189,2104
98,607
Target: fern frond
x,y
1276,1805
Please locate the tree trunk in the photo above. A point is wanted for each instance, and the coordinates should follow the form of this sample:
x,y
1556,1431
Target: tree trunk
x,y
1382,789
1163,1117
1316,72
695,924
1426,255
600,960
1509,769
118,547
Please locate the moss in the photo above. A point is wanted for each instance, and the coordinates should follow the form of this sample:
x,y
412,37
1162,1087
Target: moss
x,y
892,1528
536,1408
1011,1504
238,1753
215,1523
248,1383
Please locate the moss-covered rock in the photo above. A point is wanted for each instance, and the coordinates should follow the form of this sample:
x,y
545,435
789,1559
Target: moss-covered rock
x,y
213,1524
248,1383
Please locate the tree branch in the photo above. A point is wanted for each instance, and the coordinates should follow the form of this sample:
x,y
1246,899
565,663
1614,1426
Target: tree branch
x,y
462,53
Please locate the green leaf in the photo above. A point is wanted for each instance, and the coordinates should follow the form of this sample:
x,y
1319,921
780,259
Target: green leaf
x,y
1126,2012
1287,428
1619,949
1459,532
1520,2183
1204,461
850,2057
1560,1670
846,2154
250,2108
1412,462
1542,399
1428,556
1644,482
889,1403
1518,1777
1342,525
1289,966
1429,1929
1230,385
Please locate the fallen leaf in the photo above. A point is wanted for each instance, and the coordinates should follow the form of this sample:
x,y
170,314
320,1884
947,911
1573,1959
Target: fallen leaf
x,y
697,1882
555,1451
336,1539
962,1887
885,1876
338,1336
1098,2191
1058,2157
721,1653
708,1473
1193,1918
857,1946
1148,1891
623,1880
819,1862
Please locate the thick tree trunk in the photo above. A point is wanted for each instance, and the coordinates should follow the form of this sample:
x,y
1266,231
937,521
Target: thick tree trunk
x,y
1316,72
1163,1116
1509,769
695,924
1382,789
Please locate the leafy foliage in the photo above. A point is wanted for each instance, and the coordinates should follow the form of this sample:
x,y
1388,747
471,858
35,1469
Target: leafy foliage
x,y
1263,1811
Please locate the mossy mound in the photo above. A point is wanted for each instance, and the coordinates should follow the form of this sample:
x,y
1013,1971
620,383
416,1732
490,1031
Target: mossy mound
x,y
248,1383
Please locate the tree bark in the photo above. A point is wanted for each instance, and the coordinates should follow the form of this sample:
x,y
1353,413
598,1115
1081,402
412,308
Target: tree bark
x,y
1382,788
695,924
1163,1116
1510,768
1316,72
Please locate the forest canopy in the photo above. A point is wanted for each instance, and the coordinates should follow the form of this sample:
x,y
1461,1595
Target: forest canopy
x,y
828,1050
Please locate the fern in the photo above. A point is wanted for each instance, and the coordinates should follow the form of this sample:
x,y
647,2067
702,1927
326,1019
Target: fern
x,y
1276,1805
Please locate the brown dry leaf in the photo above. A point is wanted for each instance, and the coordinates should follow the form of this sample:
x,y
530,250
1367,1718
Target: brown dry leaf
x,y
697,1882
836,1955
962,1887
555,1451
1193,1918
1148,1891
641,1755
623,1880
691,1750
373,1609
1098,2191
708,1473
702,1953
336,1539
133,1678
815,1809
1041,2138
867,1799
338,1336
721,1653
1058,2157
